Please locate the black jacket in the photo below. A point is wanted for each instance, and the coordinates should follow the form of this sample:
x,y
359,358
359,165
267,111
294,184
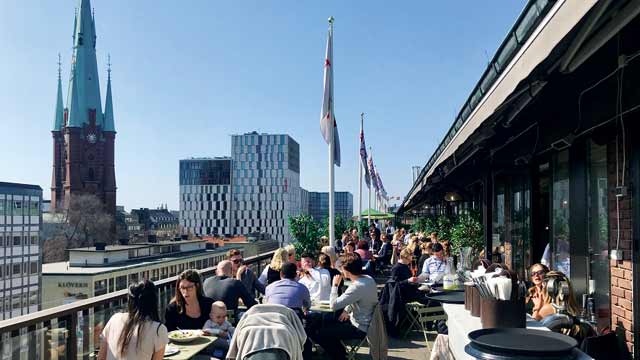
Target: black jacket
x,y
228,290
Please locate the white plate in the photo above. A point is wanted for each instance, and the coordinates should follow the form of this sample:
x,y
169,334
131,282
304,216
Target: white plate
x,y
171,350
185,336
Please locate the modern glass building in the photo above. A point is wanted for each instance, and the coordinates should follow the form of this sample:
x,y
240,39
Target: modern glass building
x,y
266,183
319,205
20,249
205,196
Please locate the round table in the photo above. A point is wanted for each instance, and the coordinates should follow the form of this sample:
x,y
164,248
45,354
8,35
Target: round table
x,y
447,297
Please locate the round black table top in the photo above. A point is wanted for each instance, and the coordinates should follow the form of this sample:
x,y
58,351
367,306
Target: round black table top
x,y
440,287
522,341
448,297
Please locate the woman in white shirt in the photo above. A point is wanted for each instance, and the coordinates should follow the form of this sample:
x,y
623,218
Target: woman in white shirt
x,y
138,333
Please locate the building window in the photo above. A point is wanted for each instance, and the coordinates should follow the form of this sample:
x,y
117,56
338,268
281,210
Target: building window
x,y
121,282
34,240
560,213
598,230
17,270
17,207
133,278
100,287
111,286
34,208
2,207
33,298
16,302
34,267
16,240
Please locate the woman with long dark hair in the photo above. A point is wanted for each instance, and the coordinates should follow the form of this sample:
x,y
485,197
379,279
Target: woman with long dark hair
x,y
138,333
189,309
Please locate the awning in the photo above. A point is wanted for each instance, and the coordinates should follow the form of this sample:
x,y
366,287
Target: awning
x,y
558,22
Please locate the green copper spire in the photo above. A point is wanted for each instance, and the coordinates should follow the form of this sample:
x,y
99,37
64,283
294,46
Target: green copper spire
x,y
58,119
108,106
83,97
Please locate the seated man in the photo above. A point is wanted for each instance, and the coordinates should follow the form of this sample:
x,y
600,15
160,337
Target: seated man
x,y
434,267
288,291
383,256
318,281
223,287
358,302
241,272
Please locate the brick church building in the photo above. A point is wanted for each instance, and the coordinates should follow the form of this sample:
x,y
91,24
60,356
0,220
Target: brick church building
x,y
83,135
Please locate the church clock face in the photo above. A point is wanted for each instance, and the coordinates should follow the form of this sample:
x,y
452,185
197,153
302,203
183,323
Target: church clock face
x,y
92,138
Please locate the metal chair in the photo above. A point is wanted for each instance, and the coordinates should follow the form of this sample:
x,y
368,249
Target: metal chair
x,y
420,315
352,346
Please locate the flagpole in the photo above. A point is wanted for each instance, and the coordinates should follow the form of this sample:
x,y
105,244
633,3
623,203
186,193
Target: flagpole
x,y
370,186
360,177
332,235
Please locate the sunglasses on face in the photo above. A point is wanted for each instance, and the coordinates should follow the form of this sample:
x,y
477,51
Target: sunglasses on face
x,y
236,261
538,273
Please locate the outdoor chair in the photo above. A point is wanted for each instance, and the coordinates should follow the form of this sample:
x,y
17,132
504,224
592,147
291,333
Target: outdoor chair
x,y
420,315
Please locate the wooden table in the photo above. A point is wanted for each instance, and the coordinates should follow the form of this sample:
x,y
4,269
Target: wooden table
x,y
189,350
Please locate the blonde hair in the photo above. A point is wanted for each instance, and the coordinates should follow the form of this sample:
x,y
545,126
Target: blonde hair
x,y
406,253
291,250
280,257
331,253
324,241
219,305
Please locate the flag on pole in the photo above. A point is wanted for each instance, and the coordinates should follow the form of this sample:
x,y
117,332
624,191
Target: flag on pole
x,y
372,170
327,117
363,158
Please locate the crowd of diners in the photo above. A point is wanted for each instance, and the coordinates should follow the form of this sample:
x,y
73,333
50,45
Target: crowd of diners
x,y
340,277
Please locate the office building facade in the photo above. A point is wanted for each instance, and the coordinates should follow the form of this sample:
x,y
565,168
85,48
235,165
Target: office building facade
x,y
20,249
205,196
319,205
266,183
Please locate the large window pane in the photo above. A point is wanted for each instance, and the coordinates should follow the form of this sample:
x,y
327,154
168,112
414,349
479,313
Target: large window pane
x,y
599,230
499,233
560,210
520,245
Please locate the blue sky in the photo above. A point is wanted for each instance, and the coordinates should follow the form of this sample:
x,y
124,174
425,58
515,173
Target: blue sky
x,y
187,74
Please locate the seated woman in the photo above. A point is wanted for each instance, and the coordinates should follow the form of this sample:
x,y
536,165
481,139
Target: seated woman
x,y
536,295
324,262
401,271
358,302
189,308
363,251
331,253
271,273
138,333
350,248
561,301
426,249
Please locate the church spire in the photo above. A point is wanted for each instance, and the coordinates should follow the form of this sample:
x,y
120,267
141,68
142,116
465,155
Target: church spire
x,y
83,97
59,115
108,106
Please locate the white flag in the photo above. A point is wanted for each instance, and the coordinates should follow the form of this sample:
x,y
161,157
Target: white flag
x,y
327,117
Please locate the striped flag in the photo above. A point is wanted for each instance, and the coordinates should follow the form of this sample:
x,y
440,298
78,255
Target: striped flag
x,y
327,117
372,171
363,158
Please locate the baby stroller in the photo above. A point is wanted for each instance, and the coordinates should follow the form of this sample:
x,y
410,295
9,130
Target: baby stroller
x,y
268,332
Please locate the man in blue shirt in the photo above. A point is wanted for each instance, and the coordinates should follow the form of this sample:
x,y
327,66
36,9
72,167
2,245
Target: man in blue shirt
x,y
288,291
435,266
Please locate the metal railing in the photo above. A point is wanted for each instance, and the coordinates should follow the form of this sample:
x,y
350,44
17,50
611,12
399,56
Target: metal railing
x,y
73,331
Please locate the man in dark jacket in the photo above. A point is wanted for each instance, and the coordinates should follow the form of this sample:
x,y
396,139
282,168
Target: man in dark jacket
x,y
225,288
243,273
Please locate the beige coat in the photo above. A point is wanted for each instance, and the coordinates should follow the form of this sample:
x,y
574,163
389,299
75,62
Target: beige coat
x,y
377,336
268,327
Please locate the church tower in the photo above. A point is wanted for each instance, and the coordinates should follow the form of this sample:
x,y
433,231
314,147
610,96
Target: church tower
x,y
84,136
